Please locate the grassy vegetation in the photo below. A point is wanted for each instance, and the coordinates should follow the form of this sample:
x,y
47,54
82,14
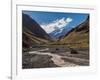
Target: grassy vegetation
x,y
77,38
35,39
74,40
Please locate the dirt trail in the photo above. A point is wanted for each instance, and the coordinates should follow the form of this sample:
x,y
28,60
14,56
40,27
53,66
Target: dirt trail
x,y
57,59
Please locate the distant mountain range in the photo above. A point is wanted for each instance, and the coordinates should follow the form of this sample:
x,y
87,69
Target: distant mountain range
x,y
60,32
33,34
78,37
58,28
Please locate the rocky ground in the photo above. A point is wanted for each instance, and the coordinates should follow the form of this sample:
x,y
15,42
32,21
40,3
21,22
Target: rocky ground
x,y
50,57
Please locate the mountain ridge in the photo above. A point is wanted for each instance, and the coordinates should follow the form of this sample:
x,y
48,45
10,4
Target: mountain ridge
x,y
78,37
33,26
32,33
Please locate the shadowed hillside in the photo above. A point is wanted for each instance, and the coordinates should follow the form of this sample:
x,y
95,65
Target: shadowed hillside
x,y
33,34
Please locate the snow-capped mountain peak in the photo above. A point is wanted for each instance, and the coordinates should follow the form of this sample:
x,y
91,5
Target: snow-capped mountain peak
x,y
56,25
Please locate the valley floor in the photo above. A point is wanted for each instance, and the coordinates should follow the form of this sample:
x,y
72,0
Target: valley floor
x,y
55,57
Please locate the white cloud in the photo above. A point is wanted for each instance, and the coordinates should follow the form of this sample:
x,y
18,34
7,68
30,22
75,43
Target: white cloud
x,y
56,25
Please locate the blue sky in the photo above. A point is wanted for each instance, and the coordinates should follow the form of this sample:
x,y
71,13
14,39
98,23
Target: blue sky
x,y
48,18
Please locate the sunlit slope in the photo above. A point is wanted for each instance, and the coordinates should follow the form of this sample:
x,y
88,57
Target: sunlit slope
x,y
78,37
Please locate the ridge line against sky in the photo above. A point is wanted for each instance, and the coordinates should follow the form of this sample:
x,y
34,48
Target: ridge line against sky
x,y
51,21
57,24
